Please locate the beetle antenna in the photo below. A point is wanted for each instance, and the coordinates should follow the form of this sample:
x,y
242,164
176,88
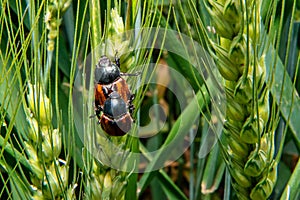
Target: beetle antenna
x,y
117,59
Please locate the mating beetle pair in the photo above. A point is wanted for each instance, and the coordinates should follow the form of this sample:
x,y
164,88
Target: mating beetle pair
x,y
113,99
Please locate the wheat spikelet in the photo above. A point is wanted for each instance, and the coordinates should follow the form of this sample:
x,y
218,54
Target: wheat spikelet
x,y
53,18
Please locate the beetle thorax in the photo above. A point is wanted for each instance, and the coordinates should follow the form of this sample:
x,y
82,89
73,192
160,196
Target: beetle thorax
x,y
107,74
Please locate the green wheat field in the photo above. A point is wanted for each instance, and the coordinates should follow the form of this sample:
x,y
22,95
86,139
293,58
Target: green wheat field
x,y
212,102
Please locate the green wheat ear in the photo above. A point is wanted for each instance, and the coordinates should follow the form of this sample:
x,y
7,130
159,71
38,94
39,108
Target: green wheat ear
x,y
247,142
43,147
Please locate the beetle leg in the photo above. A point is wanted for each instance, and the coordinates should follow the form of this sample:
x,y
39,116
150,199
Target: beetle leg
x,y
96,110
130,74
131,108
99,109
131,98
105,91
130,105
111,89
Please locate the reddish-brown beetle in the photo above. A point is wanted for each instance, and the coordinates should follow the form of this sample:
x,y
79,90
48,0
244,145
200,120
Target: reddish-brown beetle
x,y
112,90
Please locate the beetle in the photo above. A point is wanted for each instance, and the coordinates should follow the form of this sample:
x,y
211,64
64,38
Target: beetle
x,y
108,79
114,117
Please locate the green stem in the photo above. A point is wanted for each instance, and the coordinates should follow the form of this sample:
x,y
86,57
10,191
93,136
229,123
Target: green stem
x,y
95,16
